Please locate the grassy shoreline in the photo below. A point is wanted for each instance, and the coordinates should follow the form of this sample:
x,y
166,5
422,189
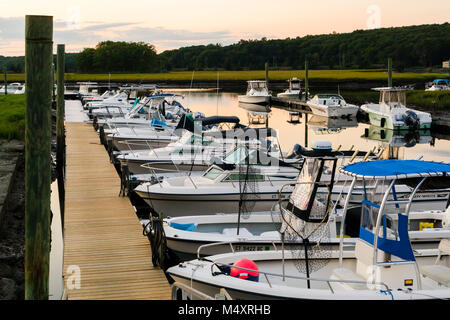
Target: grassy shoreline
x,y
275,75
12,116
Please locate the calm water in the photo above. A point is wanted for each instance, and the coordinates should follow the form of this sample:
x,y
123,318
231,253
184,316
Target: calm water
x,y
345,133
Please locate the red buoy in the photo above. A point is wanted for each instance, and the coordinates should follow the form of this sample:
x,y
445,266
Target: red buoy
x,y
245,274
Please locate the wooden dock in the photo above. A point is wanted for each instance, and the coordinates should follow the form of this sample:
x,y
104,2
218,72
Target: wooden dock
x,y
102,234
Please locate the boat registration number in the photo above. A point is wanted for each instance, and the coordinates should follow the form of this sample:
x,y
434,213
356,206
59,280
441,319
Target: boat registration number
x,y
251,248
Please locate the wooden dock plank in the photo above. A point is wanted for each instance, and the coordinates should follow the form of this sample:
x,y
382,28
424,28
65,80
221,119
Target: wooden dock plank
x,y
102,235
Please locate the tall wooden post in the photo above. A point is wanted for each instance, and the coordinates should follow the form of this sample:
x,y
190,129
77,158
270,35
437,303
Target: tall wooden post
x,y
6,82
389,72
266,67
306,80
38,70
60,134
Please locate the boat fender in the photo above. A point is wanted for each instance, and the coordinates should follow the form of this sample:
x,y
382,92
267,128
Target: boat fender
x,y
411,119
245,274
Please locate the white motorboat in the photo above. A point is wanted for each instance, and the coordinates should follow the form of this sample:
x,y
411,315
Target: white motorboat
x,y
163,107
294,90
161,133
439,85
382,264
192,152
13,88
391,111
332,106
257,92
117,105
221,185
220,188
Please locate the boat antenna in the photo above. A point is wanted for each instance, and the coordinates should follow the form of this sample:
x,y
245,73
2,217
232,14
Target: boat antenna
x,y
190,87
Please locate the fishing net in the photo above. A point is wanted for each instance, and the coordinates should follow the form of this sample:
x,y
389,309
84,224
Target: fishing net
x,y
307,241
248,185
305,224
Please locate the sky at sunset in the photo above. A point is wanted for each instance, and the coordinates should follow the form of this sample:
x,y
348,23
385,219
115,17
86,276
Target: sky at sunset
x,y
170,24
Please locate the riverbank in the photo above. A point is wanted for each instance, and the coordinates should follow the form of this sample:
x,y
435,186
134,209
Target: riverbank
x,y
12,225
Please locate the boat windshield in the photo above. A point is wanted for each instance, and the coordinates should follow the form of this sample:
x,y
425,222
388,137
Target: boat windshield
x,y
330,96
213,173
237,155
258,86
394,98
295,85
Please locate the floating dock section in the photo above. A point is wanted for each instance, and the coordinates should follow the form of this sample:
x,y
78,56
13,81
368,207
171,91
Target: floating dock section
x,y
105,254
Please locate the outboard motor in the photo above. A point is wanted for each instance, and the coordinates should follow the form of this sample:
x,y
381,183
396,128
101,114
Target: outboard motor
x,y
411,119
296,152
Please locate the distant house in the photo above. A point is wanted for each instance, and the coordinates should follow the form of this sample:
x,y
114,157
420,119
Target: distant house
x,y
446,64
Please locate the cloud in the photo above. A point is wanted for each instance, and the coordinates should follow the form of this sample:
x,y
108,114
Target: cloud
x,y
88,34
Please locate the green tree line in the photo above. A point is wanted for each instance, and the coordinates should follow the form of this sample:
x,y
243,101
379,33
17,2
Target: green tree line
x,y
412,46
109,56
17,64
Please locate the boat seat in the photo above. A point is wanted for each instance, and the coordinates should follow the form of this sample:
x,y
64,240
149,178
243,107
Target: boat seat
x,y
233,232
347,274
439,273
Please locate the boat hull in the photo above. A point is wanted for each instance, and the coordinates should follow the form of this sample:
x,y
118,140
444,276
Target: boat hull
x,y
381,120
333,112
135,166
253,99
177,205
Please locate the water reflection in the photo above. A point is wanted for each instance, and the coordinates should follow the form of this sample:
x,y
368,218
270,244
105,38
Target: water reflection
x,y
256,114
346,134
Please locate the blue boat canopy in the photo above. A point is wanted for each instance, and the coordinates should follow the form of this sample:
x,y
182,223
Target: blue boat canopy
x,y
396,169
439,80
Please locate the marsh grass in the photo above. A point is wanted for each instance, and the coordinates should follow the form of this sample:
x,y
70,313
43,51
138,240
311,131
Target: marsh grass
x,y
277,75
12,116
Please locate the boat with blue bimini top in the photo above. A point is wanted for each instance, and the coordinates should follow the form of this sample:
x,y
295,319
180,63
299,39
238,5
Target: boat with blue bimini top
x,y
382,264
391,112
260,230
439,85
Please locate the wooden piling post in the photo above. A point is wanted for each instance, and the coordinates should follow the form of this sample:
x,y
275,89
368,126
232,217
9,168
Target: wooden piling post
x,y
266,66
38,69
60,133
389,72
306,80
